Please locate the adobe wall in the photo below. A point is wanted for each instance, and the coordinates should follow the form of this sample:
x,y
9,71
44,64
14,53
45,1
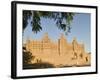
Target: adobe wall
x,y
60,53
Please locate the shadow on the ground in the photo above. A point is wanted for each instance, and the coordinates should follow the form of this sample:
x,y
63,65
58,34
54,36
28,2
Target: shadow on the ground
x,y
38,66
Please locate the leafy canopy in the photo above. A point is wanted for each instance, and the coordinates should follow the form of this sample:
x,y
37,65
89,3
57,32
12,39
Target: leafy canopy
x,y
27,56
62,20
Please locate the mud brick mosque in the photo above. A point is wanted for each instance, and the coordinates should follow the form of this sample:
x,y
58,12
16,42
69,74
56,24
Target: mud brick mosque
x,y
59,53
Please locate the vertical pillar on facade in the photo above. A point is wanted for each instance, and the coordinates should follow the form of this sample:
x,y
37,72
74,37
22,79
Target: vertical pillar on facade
x,y
42,46
59,46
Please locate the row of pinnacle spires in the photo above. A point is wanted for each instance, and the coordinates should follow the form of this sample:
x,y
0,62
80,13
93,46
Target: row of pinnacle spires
x,y
61,37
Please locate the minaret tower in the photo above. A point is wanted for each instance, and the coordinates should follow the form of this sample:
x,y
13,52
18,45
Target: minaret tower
x,y
62,44
46,38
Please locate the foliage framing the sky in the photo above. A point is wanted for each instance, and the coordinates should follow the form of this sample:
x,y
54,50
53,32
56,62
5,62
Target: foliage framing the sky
x,y
62,20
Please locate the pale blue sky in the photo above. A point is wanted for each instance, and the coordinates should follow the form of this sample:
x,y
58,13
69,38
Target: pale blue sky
x,y
80,29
